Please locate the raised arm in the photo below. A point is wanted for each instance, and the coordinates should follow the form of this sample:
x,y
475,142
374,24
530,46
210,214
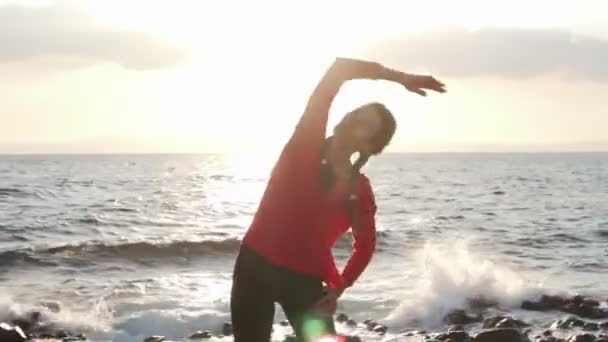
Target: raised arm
x,y
313,123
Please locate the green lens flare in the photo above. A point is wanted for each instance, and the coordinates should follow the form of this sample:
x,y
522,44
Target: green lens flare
x,y
313,328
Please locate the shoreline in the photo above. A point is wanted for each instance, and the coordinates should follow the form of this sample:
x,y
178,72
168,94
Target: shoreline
x,y
582,319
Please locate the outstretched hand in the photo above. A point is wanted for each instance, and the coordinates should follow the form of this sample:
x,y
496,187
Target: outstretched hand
x,y
345,69
418,83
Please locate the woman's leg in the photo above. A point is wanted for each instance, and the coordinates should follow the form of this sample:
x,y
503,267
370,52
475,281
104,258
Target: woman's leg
x,y
298,295
252,298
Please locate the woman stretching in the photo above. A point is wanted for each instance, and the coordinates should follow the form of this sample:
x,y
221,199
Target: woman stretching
x,y
313,196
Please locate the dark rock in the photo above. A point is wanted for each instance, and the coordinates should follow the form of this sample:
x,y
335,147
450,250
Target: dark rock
x,y
601,339
578,323
480,303
582,338
79,337
456,327
591,302
28,322
353,338
61,334
71,339
227,329
381,329
44,335
547,333
440,337
200,335
409,333
568,323
591,326
578,299
552,302
284,323
155,339
503,322
604,325
342,318
351,323
508,322
458,336
370,324
501,335
586,309
548,339
533,306
545,303
11,333
461,317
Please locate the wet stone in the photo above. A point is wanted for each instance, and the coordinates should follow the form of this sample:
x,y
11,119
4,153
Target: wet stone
x,y
154,339
341,318
201,334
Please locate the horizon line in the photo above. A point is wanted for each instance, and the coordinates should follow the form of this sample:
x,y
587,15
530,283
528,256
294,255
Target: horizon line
x,y
127,153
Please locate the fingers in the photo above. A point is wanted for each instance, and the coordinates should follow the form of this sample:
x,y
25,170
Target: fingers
x,y
425,82
420,92
440,89
438,86
430,82
437,81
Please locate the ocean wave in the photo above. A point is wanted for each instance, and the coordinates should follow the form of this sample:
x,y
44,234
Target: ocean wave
x,y
602,233
452,276
120,209
563,237
12,192
134,251
104,220
54,316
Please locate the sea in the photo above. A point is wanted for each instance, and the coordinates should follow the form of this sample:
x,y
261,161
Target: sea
x,y
122,247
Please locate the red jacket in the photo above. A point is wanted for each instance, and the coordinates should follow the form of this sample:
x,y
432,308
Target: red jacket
x,y
297,223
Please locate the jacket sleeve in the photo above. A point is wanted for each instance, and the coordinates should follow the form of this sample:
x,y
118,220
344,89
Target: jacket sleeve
x,y
364,236
309,133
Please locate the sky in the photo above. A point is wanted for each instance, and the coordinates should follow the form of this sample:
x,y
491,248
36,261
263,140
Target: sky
x,y
106,76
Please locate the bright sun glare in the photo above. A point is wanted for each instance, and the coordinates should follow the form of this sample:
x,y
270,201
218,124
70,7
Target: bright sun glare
x,y
249,43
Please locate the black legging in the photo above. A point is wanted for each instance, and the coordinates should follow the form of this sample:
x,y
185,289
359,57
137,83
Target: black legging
x,y
257,285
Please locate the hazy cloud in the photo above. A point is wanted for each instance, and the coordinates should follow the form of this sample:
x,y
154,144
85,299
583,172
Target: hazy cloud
x,y
507,53
62,30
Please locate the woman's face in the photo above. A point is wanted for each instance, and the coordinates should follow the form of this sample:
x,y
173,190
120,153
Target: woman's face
x,y
358,129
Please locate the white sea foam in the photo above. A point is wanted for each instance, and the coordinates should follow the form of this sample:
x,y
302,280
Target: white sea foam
x,y
451,275
96,318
